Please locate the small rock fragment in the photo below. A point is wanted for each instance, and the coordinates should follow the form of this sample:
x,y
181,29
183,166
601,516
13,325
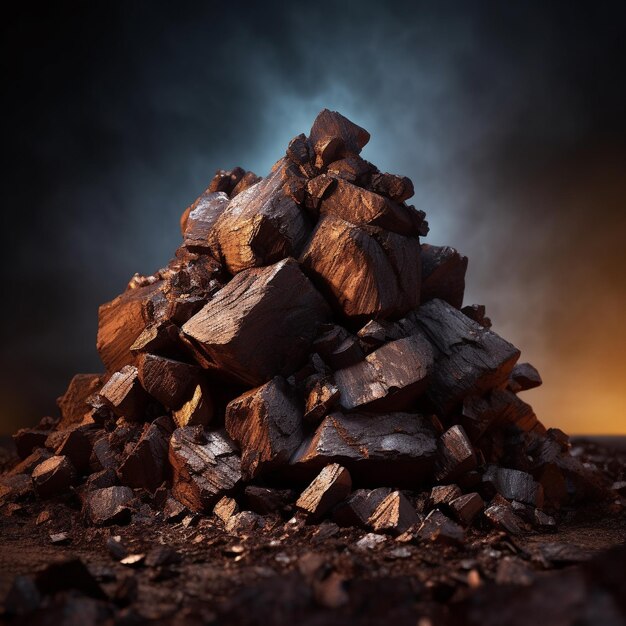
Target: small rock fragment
x,y
110,505
395,514
54,476
331,486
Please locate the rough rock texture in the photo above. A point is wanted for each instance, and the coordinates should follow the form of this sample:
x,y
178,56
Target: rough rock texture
x,y
330,486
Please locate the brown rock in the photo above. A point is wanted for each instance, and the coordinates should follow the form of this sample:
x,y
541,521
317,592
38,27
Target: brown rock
x,y
359,506
77,445
504,518
247,180
439,528
261,225
27,465
332,124
398,188
73,402
365,208
197,411
322,398
395,514
146,463
205,466
469,359
456,455
266,423
299,150
261,324
354,169
166,380
364,272
226,180
389,379
514,484
124,394
203,214
244,523
120,322
110,505
225,508
524,376
375,333
101,479
264,500
317,189
382,449
465,508
331,486
443,494
337,347
476,312
54,476
443,274
15,487
28,439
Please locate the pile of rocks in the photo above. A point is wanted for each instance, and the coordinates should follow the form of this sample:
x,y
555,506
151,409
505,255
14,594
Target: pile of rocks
x,y
304,352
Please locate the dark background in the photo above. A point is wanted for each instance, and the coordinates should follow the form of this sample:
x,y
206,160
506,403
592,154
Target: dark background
x,y
509,117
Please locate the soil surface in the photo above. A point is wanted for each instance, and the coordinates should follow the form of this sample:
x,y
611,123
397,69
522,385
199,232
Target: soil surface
x,y
192,571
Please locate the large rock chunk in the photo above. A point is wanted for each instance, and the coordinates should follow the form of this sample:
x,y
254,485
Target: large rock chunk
x,y
396,448
260,324
364,272
73,402
124,394
388,379
166,380
469,359
120,322
366,208
331,486
260,226
330,124
205,466
266,423
443,274
201,218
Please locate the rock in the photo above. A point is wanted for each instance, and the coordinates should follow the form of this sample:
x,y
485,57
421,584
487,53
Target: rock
x,y
28,464
27,439
77,445
390,378
72,403
260,226
337,347
146,464
205,466
543,521
54,476
247,180
469,359
244,522
514,484
443,275
110,505
316,190
201,218
359,506
168,381
225,508
265,500
15,487
456,455
524,376
266,423
370,541
476,312
363,272
120,322
275,309
362,207
299,150
394,448
124,394
375,333
502,517
226,180
398,188
439,528
322,398
395,514
465,508
101,479
443,494
329,124
197,410
354,169
331,486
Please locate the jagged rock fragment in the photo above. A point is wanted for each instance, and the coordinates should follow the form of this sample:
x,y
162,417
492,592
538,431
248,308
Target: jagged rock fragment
x,y
389,379
266,423
398,188
201,218
395,514
514,484
330,124
456,454
225,508
443,494
332,485
54,476
110,505
73,403
504,518
205,466
124,394
261,324
524,376
359,506
197,410
168,381
322,398
439,528
466,507
443,274
377,448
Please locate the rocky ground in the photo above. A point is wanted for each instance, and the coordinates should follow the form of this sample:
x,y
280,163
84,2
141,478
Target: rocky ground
x,y
56,570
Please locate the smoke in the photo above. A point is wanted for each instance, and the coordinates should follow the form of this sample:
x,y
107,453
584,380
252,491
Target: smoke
x,y
508,119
